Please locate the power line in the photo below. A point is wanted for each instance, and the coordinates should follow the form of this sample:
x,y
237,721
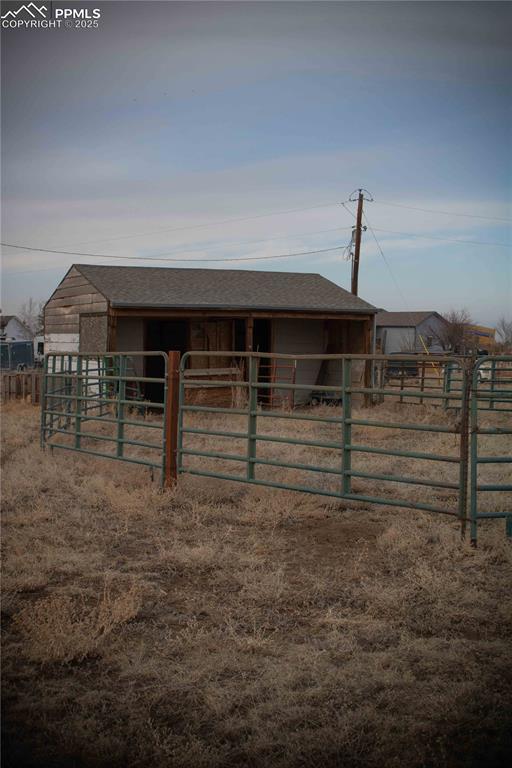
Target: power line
x,y
431,237
228,242
155,258
386,262
344,205
445,213
445,239
206,224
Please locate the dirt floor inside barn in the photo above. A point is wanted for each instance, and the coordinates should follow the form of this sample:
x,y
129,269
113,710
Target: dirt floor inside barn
x,y
222,625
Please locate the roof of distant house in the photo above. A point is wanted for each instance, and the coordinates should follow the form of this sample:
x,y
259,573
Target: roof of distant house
x,y
404,319
5,319
169,287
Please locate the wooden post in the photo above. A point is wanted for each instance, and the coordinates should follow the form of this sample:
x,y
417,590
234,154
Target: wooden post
x,y
171,423
368,366
422,385
249,332
249,341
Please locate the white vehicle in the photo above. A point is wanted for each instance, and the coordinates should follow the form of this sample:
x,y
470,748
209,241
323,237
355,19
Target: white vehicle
x,y
485,372
38,350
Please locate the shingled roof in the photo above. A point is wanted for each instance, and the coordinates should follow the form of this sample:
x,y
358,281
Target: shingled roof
x,y
168,287
404,319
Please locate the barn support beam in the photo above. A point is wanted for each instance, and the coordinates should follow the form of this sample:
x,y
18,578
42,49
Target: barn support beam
x,y
249,334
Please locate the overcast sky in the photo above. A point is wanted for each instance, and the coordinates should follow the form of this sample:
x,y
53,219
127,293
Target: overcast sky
x,y
174,115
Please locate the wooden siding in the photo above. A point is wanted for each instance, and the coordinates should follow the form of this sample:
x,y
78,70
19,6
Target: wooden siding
x,y
214,335
74,295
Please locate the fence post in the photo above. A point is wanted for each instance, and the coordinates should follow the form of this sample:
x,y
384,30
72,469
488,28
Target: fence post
x,y
252,418
171,419
474,453
368,383
346,415
493,374
78,407
42,400
447,383
466,372
121,397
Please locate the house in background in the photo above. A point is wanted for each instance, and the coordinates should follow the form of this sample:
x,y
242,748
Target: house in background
x,y
12,329
480,337
408,332
97,309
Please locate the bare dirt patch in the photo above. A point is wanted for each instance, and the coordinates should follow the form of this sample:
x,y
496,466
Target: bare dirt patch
x,y
220,625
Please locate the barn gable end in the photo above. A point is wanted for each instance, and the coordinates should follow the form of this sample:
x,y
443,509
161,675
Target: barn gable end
x,y
75,296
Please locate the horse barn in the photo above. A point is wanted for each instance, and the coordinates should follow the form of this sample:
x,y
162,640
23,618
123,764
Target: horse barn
x,y
102,309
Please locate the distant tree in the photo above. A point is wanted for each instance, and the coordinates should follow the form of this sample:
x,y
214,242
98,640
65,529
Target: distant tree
x,y
31,313
504,330
452,335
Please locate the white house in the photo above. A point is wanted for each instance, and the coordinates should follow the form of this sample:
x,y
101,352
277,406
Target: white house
x,y
12,329
408,332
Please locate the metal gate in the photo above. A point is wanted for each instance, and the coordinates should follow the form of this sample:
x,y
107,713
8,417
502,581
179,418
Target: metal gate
x,y
88,401
357,379
491,392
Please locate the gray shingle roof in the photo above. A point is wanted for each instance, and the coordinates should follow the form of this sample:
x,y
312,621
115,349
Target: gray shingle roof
x,y
168,287
403,319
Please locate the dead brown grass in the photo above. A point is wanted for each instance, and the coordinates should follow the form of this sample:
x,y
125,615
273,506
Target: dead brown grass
x,y
221,625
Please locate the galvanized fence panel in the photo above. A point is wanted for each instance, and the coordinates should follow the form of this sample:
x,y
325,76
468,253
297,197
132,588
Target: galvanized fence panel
x,y
344,445
91,399
83,391
491,392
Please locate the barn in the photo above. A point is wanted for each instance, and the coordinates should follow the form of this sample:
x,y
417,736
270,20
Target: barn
x,y
100,309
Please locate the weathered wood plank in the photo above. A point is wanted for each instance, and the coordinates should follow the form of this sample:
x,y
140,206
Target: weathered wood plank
x,y
63,292
60,327
76,280
74,309
88,298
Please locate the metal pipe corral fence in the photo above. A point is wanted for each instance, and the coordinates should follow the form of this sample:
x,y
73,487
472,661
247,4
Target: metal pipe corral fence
x,y
91,401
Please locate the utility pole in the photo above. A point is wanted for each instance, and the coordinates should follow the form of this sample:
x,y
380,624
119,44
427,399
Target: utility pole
x,y
358,231
357,244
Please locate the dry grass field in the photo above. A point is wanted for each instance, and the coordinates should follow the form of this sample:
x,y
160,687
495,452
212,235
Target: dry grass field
x,y
222,625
